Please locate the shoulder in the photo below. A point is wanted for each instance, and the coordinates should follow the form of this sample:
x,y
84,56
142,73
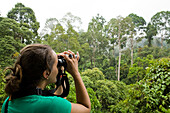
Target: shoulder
x,y
39,104
54,103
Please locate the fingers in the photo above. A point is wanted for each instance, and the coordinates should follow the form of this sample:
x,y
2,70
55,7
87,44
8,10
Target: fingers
x,y
69,55
78,56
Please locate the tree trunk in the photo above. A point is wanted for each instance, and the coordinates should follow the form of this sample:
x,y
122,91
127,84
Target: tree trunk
x,y
149,41
131,52
115,61
161,41
94,50
91,61
94,59
68,44
116,69
119,65
119,54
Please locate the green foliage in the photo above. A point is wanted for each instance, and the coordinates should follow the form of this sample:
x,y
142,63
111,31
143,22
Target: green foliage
x,y
121,90
95,104
106,93
88,82
156,52
129,104
10,28
151,94
97,39
110,93
59,37
25,16
156,86
161,22
85,58
72,94
110,73
2,86
150,32
93,74
138,21
124,71
138,70
135,74
9,47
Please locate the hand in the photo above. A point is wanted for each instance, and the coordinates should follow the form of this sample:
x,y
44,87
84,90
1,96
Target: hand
x,y
72,63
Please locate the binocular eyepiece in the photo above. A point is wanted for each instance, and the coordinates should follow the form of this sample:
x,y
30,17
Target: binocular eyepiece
x,y
62,61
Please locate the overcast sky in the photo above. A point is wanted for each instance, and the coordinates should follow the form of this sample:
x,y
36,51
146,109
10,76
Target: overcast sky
x,y
86,9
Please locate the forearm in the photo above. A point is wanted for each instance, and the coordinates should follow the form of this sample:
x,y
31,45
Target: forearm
x,y
81,92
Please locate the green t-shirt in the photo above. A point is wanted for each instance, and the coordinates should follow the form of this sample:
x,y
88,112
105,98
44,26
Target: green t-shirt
x,y
38,104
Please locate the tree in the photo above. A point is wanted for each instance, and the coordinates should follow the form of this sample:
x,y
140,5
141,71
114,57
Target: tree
x,y
70,20
50,25
56,38
110,93
62,35
9,50
119,28
9,41
150,32
97,40
10,28
25,16
161,21
71,25
94,74
136,33
106,93
84,52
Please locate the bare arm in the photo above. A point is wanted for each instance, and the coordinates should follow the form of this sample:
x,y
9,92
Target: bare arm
x,y
83,101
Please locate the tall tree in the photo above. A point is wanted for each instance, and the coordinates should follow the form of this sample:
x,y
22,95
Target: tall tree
x,y
62,35
150,31
50,25
161,21
10,44
136,33
119,28
12,28
97,40
85,51
25,16
50,31
71,24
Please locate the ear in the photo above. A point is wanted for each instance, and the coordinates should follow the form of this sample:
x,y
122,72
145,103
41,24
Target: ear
x,y
46,74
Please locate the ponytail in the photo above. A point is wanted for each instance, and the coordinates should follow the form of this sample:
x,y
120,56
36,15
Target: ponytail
x,y
13,80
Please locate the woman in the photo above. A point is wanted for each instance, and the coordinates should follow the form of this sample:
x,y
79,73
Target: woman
x,y
35,68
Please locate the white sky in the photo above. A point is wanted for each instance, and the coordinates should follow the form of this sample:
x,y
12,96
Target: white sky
x,y
86,9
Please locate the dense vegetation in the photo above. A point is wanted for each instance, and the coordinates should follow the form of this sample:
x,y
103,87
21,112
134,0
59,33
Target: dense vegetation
x,y
125,63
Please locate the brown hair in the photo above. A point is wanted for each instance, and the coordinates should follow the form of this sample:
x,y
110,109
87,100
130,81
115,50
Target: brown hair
x,y
28,70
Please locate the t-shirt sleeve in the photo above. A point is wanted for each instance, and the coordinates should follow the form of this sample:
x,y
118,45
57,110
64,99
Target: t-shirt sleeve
x,y
60,105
